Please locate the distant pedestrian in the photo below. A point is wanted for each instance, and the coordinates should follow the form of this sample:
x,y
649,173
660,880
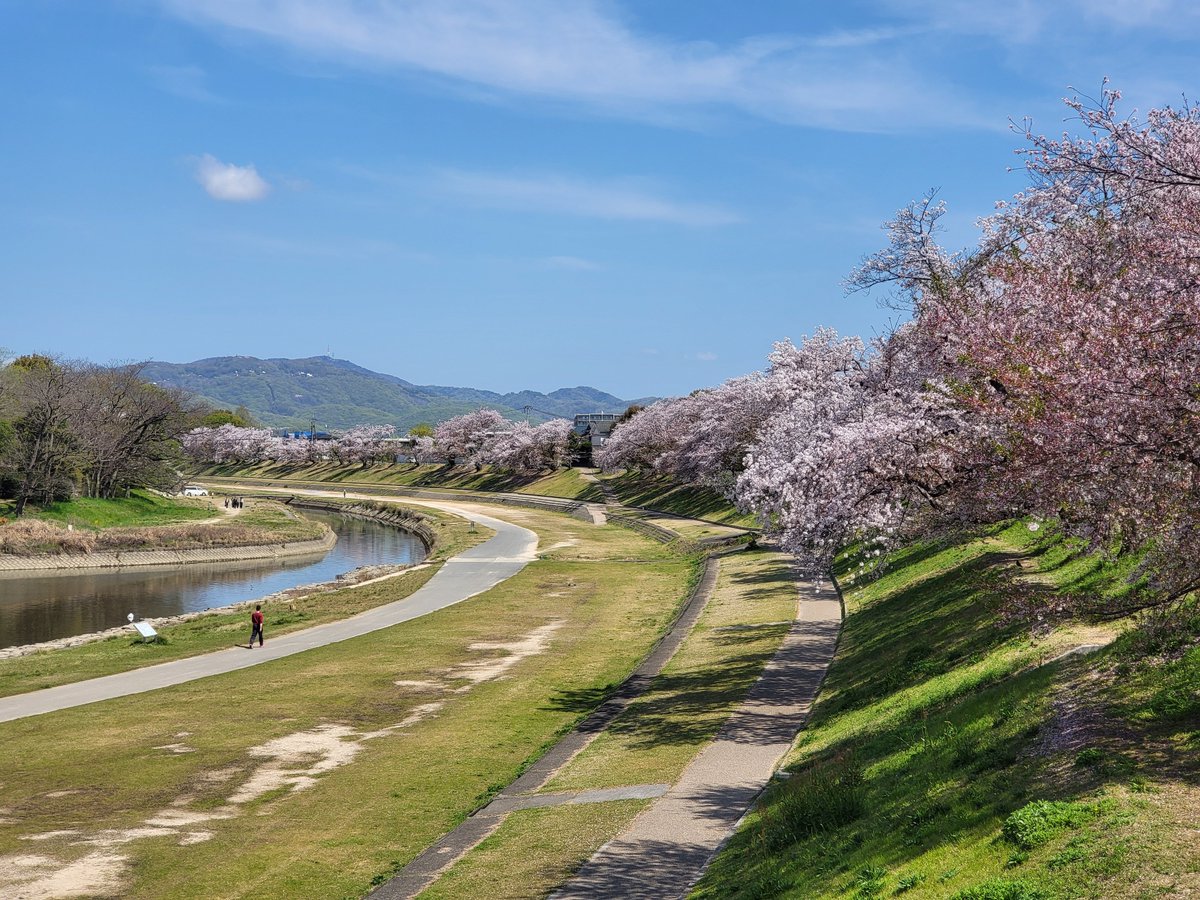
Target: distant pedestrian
x,y
256,626
227,503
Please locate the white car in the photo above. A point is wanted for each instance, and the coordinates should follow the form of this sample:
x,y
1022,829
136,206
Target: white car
x,y
192,491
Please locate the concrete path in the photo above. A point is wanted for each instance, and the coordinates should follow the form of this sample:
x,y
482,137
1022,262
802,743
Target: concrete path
x,y
471,572
666,849
429,865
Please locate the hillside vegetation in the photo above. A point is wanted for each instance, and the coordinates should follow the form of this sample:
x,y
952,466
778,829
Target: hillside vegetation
x,y
339,394
954,753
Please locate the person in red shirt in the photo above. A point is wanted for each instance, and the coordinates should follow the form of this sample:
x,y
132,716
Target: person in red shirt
x,y
256,626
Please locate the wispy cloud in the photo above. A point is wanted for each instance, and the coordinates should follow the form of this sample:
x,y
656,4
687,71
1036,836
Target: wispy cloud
x,y
226,181
189,82
583,52
706,356
562,195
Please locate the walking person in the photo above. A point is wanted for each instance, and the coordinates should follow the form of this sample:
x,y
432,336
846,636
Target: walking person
x,y
256,626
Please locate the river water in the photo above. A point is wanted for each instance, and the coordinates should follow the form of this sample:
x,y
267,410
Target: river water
x,y
39,606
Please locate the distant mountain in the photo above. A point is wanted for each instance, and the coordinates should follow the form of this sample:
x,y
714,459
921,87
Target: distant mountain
x,y
339,394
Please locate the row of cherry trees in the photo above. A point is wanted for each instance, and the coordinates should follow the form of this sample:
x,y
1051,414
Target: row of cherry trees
x,y
480,438
1051,371
233,444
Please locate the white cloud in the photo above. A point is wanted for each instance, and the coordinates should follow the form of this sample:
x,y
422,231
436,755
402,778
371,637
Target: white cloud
x,y
705,356
226,181
557,194
583,52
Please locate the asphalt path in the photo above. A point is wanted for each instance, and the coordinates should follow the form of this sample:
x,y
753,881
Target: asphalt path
x,y
464,576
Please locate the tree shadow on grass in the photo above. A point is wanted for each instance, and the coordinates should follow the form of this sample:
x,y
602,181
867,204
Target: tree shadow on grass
x,y
676,708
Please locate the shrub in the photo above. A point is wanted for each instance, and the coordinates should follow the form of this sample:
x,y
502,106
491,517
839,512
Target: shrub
x,y
1037,822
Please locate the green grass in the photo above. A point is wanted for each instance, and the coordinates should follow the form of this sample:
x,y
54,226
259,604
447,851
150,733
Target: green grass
x,y
96,767
740,630
140,508
533,851
650,742
946,758
665,495
564,483
219,629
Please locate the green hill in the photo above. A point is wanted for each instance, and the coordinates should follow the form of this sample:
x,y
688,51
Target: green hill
x,y
339,394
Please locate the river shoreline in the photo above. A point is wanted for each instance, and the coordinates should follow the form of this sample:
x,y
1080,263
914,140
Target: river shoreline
x,y
121,559
359,577
404,520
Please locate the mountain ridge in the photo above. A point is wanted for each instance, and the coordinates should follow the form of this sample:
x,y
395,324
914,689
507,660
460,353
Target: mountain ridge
x,y
338,393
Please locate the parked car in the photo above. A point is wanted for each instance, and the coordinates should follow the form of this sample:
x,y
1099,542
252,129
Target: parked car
x,y
193,491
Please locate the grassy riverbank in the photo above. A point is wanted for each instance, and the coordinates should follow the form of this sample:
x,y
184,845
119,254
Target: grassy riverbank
x,y
219,629
565,483
344,761
630,488
139,509
88,526
954,755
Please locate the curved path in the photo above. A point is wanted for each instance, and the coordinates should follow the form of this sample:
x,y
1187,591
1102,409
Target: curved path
x,y
461,577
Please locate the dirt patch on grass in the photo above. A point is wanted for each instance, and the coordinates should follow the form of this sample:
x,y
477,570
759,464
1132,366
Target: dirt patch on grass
x,y
478,671
36,877
286,764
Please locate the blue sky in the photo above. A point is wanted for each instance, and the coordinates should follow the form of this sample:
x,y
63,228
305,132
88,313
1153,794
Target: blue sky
x,y
504,194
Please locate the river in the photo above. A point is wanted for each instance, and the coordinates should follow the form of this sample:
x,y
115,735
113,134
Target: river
x,y
40,606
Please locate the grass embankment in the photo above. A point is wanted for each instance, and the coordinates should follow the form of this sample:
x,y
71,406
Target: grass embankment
x,y
650,743
217,630
139,509
148,522
666,495
322,773
950,755
565,483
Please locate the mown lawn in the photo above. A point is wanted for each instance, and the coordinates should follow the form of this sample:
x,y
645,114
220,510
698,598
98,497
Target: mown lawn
x,y
397,736
953,754
651,742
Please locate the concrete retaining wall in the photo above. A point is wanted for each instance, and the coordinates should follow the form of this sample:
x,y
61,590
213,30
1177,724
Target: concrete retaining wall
x,y
111,559
404,519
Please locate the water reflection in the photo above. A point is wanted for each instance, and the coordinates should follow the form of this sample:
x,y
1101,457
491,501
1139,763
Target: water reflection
x,y
43,607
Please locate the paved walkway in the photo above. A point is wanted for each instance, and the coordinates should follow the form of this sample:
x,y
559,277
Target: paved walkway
x,y
666,849
471,572
425,868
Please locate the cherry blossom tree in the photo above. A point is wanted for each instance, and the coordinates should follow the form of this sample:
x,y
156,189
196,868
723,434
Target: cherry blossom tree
x,y
528,449
364,444
461,439
1073,330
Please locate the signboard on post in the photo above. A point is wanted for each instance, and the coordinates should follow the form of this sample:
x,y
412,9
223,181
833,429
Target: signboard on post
x,y
146,631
